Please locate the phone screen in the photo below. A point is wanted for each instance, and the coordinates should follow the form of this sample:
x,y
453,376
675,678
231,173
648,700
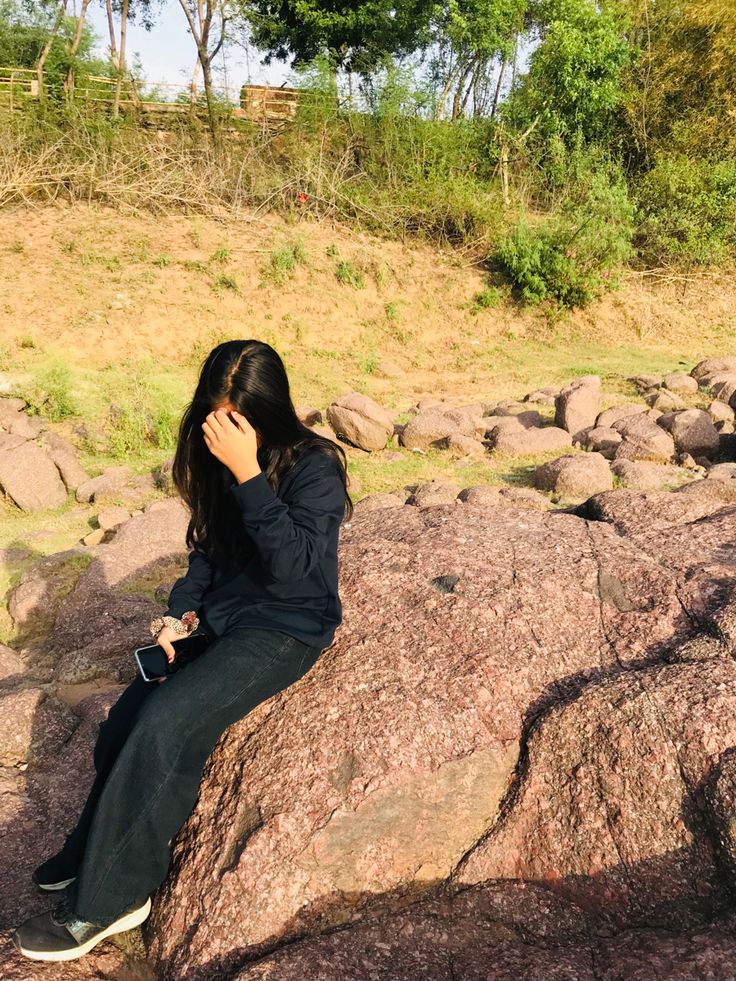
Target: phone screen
x,y
154,664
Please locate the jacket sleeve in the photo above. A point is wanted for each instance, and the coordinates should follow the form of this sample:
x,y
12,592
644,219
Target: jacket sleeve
x,y
188,591
292,537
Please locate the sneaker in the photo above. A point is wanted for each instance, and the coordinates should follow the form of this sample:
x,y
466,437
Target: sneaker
x,y
60,935
55,873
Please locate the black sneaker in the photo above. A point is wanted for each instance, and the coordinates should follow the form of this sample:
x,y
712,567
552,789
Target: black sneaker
x,y
60,935
55,873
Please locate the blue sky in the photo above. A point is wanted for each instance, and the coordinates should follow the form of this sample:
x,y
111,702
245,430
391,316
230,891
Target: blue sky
x,y
167,52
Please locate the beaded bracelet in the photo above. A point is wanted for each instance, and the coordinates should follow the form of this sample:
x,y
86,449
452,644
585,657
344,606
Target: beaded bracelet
x,y
185,624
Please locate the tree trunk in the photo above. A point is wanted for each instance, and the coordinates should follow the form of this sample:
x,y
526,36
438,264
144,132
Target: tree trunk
x,y
47,47
209,95
121,62
111,30
76,41
497,93
459,92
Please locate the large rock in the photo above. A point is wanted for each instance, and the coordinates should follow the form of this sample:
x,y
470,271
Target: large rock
x,y
607,418
107,612
29,477
428,429
361,420
644,475
33,726
680,382
624,836
712,366
369,780
693,432
110,482
577,475
578,404
514,439
643,439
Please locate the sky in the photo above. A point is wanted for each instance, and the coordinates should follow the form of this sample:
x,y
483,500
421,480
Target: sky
x,y
167,52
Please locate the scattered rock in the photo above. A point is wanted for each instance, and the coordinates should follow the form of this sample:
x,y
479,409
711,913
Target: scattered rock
x,y
308,415
28,476
33,726
693,432
433,492
577,475
517,440
607,418
600,439
643,439
111,480
720,411
680,382
643,475
460,445
664,401
428,429
111,518
713,366
578,404
361,420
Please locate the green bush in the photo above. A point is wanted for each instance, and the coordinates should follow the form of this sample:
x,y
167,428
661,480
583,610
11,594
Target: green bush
x,y
687,211
572,256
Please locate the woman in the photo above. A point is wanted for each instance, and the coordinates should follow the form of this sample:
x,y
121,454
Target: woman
x,y
267,496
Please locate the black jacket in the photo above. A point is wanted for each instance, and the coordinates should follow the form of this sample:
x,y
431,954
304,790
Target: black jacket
x,y
291,581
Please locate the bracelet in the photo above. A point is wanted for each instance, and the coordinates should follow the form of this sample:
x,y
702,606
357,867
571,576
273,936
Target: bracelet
x,y
185,624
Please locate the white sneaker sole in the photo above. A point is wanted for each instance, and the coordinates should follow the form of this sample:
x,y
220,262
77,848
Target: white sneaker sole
x,y
53,886
127,922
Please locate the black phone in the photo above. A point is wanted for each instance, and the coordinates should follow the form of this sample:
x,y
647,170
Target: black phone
x,y
152,660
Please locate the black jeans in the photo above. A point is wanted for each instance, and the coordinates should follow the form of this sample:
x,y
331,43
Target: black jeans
x,y
149,757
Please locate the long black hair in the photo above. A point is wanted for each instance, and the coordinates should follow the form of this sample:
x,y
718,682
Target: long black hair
x,y
251,376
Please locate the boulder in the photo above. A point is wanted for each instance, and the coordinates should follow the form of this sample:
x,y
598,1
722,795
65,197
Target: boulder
x,y
427,430
33,726
578,403
516,440
64,455
600,439
468,422
361,420
12,666
29,476
10,409
680,382
607,418
577,475
643,475
377,777
461,446
645,383
712,366
110,606
720,411
386,500
308,415
664,401
433,492
111,518
624,836
721,387
111,481
529,420
643,439
693,432
26,426
542,396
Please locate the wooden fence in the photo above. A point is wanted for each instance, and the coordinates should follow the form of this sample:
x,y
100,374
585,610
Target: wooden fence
x,y
17,85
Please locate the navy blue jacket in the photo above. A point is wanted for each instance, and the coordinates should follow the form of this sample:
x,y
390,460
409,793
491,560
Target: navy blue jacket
x,y
291,581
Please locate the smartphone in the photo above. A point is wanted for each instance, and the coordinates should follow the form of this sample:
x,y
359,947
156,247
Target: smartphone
x,y
153,663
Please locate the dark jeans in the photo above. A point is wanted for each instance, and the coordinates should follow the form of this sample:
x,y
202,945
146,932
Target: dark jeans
x,y
149,758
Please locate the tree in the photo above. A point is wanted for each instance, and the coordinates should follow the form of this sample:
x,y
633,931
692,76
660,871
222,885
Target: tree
x,y
574,82
470,37
358,37
207,20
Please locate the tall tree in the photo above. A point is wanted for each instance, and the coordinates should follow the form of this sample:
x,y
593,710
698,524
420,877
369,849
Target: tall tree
x,y
357,36
207,20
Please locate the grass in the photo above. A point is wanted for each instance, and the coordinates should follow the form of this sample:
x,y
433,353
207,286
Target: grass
x,y
283,263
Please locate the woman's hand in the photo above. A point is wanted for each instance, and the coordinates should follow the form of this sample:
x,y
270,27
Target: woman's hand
x,y
164,639
233,443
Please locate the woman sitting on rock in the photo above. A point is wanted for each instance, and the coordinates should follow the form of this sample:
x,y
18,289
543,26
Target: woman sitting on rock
x,y
267,496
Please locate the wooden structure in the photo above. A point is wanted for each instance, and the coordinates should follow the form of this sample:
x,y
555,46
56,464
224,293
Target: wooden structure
x,y
268,104
17,85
